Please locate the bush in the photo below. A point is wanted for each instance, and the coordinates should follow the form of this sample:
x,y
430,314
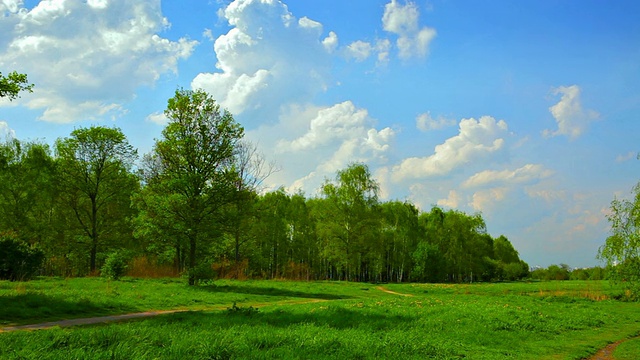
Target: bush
x,y
115,266
18,260
628,274
202,274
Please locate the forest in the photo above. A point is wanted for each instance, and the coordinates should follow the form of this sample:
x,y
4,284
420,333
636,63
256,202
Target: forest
x,y
196,206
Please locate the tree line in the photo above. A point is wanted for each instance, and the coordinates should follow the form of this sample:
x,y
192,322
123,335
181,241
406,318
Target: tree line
x,y
195,203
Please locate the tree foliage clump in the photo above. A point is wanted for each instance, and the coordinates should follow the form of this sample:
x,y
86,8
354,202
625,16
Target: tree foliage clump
x,y
621,250
18,260
115,265
12,84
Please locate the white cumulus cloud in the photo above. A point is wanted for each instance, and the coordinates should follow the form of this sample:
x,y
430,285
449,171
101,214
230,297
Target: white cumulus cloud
x,y
571,118
359,50
402,20
330,43
158,118
626,157
485,200
425,122
11,6
452,201
340,124
269,58
87,58
526,174
476,139
6,132
336,136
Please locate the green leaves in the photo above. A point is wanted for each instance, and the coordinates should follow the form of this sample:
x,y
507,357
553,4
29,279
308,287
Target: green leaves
x,y
18,260
12,84
621,250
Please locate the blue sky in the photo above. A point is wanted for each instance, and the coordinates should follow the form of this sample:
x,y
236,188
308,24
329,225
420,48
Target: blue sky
x,y
525,111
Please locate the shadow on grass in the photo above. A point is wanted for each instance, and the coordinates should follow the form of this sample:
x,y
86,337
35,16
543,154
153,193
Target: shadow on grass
x,y
334,317
270,291
36,307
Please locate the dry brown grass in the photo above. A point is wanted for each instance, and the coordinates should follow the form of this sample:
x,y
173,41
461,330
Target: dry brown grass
x,y
143,267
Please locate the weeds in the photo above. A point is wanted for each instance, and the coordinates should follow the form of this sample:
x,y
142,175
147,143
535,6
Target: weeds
x,y
247,311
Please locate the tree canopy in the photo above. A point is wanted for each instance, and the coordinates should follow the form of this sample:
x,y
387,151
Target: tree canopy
x,y
194,204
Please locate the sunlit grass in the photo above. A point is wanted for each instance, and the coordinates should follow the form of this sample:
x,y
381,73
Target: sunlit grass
x,y
628,350
354,320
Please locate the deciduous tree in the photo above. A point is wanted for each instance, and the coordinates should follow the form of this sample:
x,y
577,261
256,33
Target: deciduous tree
x,y
95,171
349,221
621,250
192,165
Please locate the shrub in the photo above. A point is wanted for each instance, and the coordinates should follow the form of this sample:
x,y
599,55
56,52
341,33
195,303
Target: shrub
x,y
202,273
115,266
18,260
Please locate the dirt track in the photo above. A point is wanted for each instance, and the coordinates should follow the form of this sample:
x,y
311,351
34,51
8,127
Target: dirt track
x,y
392,292
607,352
140,315
88,321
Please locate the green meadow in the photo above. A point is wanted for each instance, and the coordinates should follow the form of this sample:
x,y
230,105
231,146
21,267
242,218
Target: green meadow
x,y
315,320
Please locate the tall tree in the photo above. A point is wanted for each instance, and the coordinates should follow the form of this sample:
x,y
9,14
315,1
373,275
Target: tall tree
x,y
273,236
400,232
251,170
303,245
349,221
192,165
12,84
621,250
95,169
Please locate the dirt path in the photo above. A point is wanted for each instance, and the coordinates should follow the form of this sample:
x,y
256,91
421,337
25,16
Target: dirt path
x,y
146,314
607,352
391,292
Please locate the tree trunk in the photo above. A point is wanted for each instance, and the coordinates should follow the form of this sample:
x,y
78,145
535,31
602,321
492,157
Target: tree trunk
x,y
237,254
94,234
92,255
192,260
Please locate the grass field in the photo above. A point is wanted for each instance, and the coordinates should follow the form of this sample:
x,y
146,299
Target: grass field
x,y
540,320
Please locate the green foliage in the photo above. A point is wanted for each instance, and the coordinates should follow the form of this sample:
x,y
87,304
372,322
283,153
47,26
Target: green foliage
x,y
115,265
516,270
12,84
504,251
27,189
202,273
553,272
621,250
348,221
18,260
429,263
198,200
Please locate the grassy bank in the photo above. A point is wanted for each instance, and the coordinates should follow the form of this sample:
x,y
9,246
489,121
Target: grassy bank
x,y
563,320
